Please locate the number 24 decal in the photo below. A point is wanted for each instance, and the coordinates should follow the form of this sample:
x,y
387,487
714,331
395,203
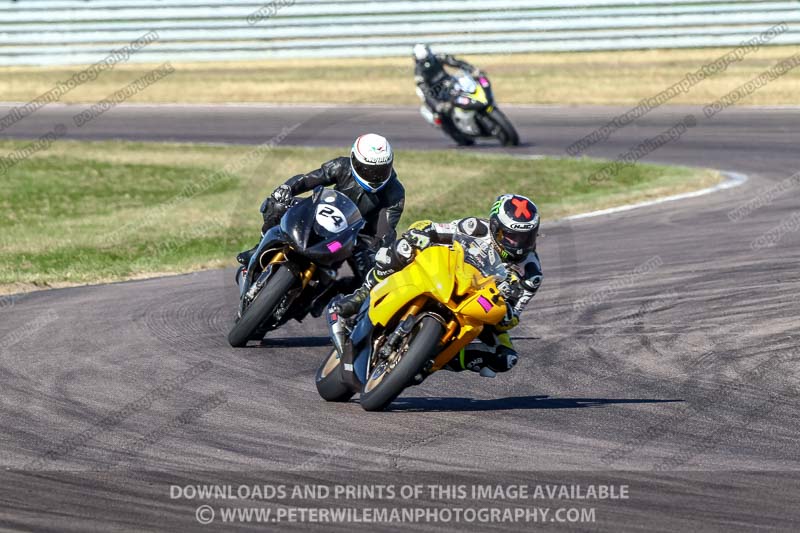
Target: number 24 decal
x,y
330,213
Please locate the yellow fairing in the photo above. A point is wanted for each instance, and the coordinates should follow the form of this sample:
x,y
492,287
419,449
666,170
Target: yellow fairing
x,y
440,273
432,273
479,94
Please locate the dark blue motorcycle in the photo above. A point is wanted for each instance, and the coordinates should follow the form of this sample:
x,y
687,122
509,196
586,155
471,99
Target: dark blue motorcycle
x,y
295,264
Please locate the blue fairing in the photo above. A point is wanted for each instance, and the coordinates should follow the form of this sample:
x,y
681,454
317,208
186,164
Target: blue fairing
x,y
272,238
361,342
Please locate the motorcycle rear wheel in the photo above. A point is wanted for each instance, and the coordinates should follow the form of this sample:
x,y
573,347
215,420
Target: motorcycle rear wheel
x,y
262,307
451,130
329,380
380,391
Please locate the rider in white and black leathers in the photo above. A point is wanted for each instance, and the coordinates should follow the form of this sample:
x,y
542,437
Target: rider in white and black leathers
x,y
436,85
512,227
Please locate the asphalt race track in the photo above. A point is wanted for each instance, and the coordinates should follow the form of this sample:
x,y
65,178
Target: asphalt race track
x,y
678,377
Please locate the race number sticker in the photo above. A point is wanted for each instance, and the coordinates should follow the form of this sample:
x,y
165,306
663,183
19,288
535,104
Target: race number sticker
x,y
331,218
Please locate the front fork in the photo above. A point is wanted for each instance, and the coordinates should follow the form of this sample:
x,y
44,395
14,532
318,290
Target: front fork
x,y
256,285
280,257
307,274
395,338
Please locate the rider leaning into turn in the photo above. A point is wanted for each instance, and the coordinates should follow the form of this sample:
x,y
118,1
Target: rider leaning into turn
x,y
368,178
512,227
436,84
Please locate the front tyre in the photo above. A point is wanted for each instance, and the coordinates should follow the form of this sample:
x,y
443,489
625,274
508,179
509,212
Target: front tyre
x,y
329,380
384,385
262,307
505,133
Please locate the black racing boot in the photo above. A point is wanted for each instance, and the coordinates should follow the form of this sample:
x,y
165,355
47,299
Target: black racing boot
x,y
241,272
340,286
244,257
487,360
349,305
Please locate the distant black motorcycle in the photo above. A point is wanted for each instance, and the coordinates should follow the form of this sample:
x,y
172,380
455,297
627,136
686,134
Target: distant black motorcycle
x,y
295,263
475,113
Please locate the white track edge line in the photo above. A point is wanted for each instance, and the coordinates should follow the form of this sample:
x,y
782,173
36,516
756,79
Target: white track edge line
x,y
734,179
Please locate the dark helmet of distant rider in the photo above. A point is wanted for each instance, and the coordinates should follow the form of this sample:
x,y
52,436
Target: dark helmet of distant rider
x,y
428,65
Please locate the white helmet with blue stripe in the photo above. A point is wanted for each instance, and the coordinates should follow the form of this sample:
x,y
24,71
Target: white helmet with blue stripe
x,y
371,160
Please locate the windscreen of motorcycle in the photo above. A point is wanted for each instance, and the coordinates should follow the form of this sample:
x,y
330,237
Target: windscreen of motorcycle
x,y
333,214
481,254
323,217
466,84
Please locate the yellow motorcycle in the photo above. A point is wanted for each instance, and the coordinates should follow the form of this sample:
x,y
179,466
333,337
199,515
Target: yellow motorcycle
x,y
414,322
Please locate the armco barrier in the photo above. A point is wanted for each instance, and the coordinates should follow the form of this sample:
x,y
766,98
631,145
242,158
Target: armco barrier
x,y
52,32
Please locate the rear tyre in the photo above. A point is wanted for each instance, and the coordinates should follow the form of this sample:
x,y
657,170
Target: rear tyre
x,y
506,133
461,139
262,307
329,380
422,346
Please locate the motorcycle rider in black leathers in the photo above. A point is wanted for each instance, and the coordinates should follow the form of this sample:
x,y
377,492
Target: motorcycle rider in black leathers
x,y
435,85
512,227
368,178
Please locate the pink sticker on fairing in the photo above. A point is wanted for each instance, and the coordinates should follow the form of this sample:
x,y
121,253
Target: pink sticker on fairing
x,y
334,246
484,82
486,304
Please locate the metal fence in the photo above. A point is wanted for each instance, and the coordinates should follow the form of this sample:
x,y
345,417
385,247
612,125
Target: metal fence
x,y
48,32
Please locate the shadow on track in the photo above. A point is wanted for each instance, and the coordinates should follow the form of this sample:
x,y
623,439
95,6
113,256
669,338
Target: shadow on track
x,y
491,145
510,403
294,342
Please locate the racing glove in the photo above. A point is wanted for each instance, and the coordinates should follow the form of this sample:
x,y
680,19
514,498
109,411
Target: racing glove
x,y
510,287
283,195
417,239
510,320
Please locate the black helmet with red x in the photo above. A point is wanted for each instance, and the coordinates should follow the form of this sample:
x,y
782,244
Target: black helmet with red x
x,y
514,223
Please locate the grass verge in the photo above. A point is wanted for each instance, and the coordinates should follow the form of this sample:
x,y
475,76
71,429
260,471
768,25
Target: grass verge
x,y
621,78
86,212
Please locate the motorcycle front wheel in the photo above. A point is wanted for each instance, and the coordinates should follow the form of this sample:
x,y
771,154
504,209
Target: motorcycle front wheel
x,y
386,381
506,133
262,307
